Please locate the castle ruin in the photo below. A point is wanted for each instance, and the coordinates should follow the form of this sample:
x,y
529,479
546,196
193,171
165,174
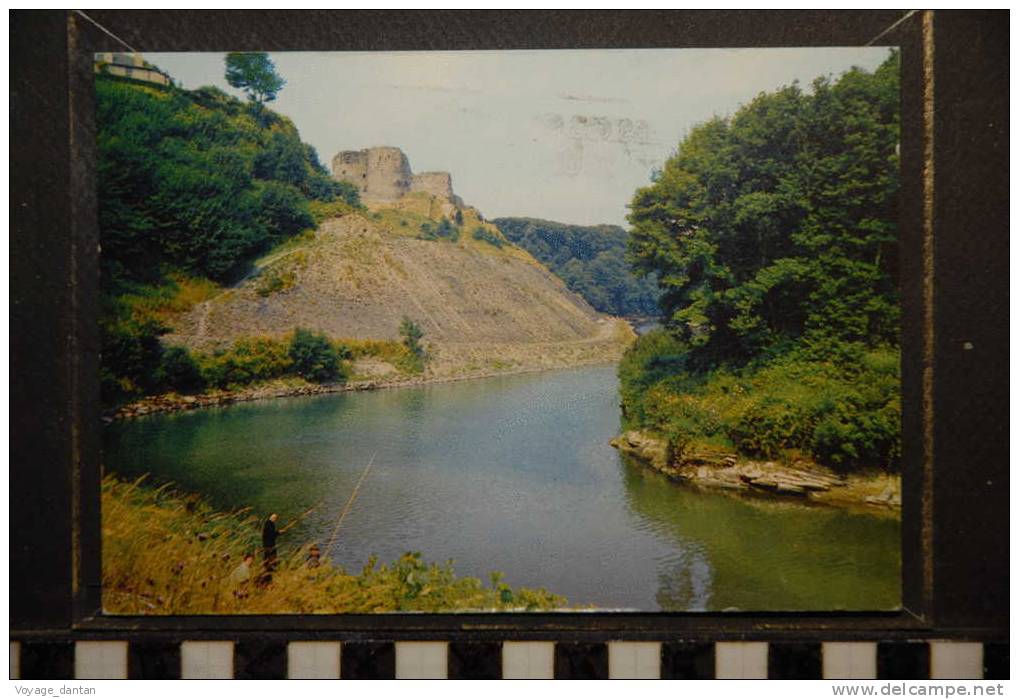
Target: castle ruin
x,y
383,173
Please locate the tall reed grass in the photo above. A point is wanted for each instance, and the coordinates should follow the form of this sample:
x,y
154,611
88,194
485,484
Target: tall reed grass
x,y
168,552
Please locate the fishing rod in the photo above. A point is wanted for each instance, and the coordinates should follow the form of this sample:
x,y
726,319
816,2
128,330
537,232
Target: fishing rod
x,y
350,503
301,516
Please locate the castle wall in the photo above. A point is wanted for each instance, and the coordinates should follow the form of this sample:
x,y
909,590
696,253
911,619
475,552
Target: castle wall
x,y
378,173
352,166
389,174
439,184
383,173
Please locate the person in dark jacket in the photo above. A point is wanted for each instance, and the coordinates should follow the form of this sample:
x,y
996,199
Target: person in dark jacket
x,y
269,536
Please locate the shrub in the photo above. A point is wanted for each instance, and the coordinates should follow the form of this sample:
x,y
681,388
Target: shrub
x,y
444,230
274,281
249,360
283,210
845,413
389,351
131,356
768,426
191,181
179,371
486,236
654,357
314,357
324,210
852,435
412,333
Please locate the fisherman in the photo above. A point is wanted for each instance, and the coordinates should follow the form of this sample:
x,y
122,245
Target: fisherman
x,y
269,536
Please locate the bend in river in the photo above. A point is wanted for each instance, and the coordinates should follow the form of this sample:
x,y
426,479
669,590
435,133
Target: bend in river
x,y
514,474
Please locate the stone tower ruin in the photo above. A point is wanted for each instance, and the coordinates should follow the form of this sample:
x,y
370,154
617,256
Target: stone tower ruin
x,y
383,173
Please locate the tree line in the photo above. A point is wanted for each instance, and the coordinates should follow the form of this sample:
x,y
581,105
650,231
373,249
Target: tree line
x,y
591,260
192,184
773,238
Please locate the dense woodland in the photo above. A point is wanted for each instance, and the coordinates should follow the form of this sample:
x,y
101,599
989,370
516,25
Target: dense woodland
x,y
590,259
193,185
772,235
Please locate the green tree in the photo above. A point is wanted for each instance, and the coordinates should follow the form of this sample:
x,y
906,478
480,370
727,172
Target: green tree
x,y
590,259
255,73
486,236
131,355
442,230
777,226
314,356
411,334
773,237
179,371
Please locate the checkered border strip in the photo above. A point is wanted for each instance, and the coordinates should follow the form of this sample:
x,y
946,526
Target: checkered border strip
x,y
324,659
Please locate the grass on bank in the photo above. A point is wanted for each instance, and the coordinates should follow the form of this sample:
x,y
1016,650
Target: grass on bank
x,y
168,552
839,406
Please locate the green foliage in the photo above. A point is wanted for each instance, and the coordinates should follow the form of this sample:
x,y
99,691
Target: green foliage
x,y
323,211
773,238
178,371
486,236
779,223
248,361
274,281
459,217
192,181
411,334
255,73
315,358
191,184
133,361
653,359
283,210
131,354
444,230
843,413
395,353
590,259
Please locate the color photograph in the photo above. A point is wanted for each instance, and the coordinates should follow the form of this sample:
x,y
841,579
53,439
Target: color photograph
x,y
500,331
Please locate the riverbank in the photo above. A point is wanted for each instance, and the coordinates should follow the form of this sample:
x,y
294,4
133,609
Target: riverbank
x,y
166,552
450,363
875,491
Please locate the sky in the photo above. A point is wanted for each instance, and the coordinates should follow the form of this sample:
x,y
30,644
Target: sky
x,y
566,135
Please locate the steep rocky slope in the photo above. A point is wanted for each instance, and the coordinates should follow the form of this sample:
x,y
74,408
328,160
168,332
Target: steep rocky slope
x,y
483,308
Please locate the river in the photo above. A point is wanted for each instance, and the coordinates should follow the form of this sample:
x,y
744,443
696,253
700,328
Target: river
x,y
514,474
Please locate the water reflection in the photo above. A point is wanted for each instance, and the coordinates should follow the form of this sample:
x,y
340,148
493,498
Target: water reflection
x,y
514,474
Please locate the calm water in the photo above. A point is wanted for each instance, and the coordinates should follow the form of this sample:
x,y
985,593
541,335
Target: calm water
x,y
515,474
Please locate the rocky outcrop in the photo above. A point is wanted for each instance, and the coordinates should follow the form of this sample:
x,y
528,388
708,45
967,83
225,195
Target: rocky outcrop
x,y
801,480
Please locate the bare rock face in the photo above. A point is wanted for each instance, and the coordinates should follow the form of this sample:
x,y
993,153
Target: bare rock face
x,y
383,174
481,308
